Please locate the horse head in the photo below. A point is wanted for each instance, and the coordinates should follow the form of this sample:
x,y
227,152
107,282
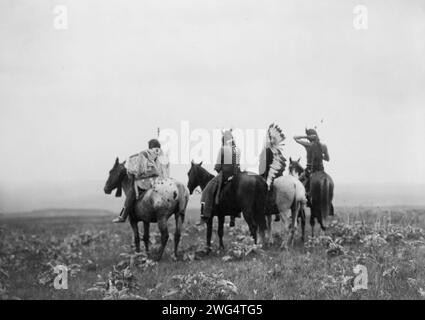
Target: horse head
x,y
116,175
295,167
194,176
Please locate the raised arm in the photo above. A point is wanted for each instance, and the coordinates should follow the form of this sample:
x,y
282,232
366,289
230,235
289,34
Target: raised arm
x,y
302,140
325,152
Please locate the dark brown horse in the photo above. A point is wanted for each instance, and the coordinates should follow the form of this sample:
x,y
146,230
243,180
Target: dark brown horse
x,y
245,193
198,177
201,181
167,197
321,193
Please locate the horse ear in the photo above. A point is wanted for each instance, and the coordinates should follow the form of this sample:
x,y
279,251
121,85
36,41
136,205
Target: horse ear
x,y
290,159
200,163
117,160
192,163
299,159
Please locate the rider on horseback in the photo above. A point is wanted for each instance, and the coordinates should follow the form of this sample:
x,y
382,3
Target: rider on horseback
x,y
227,165
272,161
316,153
141,168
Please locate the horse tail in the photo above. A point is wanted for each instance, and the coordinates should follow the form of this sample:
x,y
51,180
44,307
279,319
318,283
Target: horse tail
x,y
294,201
325,207
182,200
259,207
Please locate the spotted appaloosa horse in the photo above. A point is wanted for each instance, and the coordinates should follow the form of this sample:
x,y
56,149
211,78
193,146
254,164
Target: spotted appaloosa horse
x,y
289,194
167,197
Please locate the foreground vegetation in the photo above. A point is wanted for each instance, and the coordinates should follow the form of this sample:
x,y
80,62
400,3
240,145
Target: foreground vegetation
x,y
390,243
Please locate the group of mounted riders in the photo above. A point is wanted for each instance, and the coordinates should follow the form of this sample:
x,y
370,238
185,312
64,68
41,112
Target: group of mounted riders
x,y
152,196
227,166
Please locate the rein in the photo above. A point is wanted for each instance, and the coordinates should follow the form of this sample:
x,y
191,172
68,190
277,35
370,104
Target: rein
x,y
118,193
205,177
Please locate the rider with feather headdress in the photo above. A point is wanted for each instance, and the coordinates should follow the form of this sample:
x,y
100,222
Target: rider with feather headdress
x,y
272,161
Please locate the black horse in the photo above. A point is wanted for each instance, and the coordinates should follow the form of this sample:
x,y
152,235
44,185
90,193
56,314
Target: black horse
x,y
321,190
321,193
246,193
202,181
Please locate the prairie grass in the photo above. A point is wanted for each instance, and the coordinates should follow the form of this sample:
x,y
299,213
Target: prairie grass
x,y
388,241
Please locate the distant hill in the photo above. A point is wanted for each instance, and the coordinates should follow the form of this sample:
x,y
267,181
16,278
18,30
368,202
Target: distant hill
x,y
47,213
88,198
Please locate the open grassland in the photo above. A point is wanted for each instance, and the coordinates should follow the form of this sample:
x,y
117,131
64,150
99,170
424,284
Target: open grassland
x,y
101,263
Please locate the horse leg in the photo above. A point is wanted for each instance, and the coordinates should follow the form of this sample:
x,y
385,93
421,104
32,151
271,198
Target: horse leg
x,y
146,235
302,216
262,235
220,231
177,233
135,229
269,229
312,222
283,215
294,219
232,221
163,229
209,234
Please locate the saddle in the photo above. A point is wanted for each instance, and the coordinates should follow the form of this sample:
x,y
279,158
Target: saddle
x,y
227,196
143,185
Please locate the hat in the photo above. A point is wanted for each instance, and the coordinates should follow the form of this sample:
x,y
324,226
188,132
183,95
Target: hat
x,y
154,143
311,132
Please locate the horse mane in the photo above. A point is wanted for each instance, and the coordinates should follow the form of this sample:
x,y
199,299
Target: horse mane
x,y
205,172
123,173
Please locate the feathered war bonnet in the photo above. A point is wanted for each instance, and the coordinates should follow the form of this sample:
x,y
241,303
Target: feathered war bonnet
x,y
227,137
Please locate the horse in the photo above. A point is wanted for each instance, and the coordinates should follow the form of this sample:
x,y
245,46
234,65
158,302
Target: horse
x,y
290,199
201,180
321,194
167,197
245,193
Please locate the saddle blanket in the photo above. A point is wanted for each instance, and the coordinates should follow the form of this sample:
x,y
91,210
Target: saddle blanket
x,y
143,184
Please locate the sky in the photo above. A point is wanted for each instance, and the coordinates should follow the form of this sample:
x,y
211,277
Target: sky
x,y
72,100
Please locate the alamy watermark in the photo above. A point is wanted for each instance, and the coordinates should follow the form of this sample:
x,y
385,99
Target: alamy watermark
x,y
361,279
199,144
61,280
60,17
360,21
